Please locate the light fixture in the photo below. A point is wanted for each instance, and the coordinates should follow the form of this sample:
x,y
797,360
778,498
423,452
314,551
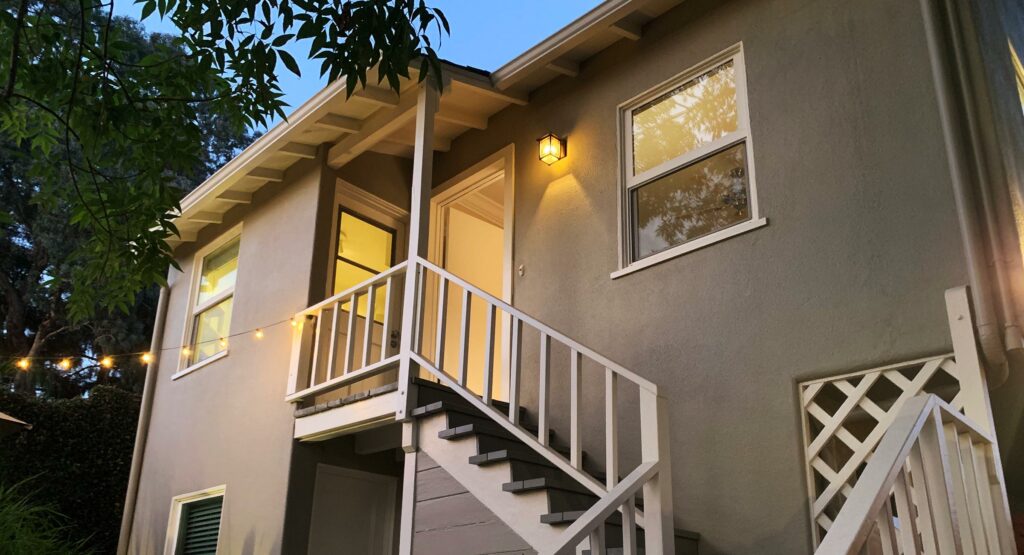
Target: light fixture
x,y
185,351
107,362
259,333
223,343
23,364
65,364
294,322
147,358
551,148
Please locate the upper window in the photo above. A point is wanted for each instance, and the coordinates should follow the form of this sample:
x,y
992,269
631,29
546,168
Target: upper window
x,y
365,249
215,290
687,163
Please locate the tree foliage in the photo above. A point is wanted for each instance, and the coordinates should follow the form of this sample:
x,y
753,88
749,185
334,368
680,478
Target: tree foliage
x,y
108,128
41,254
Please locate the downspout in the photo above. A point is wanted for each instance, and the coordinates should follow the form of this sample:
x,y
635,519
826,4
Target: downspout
x,y
145,411
954,128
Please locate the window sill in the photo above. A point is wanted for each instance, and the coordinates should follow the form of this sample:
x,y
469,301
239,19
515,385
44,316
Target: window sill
x,y
696,244
186,371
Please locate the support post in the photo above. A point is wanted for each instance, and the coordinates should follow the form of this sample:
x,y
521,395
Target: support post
x,y
659,521
973,389
419,215
410,445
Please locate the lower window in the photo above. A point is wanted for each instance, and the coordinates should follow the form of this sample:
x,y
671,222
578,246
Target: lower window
x,y
195,523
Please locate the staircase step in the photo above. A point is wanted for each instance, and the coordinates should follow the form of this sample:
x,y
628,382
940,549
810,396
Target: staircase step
x,y
568,517
431,392
524,454
563,483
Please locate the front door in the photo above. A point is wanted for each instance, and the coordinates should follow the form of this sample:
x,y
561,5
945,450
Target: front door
x,y
353,512
470,238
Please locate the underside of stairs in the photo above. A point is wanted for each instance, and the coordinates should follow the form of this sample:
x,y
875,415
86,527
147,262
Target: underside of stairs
x,y
525,493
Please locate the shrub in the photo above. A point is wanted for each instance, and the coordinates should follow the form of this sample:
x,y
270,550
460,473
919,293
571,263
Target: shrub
x,y
80,450
29,527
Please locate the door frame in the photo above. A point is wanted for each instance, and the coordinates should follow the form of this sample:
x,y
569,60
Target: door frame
x,y
465,182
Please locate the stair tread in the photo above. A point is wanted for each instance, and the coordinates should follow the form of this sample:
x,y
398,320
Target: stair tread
x,y
532,484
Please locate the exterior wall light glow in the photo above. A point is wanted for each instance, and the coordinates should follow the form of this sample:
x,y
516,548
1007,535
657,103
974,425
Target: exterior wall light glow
x,y
551,148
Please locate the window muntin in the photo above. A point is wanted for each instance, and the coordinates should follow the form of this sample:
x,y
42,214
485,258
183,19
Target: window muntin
x,y
210,324
687,159
365,249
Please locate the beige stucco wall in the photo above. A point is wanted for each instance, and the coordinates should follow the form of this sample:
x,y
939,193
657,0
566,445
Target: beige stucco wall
x,y
850,272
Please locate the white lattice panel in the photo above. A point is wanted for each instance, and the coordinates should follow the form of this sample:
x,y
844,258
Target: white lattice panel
x,y
846,416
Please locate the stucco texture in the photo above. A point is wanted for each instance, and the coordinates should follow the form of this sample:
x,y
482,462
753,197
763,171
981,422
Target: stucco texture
x,y
849,273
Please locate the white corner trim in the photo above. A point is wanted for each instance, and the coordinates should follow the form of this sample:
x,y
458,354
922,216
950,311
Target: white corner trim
x,y
349,191
179,501
186,371
691,246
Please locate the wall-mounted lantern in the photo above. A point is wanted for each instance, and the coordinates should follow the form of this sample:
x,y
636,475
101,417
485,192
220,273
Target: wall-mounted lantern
x,y
552,148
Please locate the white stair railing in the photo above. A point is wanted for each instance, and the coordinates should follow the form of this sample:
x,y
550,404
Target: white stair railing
x,y
934,485
652,475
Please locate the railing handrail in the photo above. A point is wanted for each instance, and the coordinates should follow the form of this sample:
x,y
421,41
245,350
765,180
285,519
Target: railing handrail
x,y
643,383
870,495
354,289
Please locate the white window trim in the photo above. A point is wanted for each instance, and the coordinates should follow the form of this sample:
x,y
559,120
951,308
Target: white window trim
x,y
193,309
178,503
628,181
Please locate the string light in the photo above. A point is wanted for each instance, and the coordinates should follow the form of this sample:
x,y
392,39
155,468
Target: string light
x,y
147,358
65,364
258,334
185,351
107,362
295,323
23,364
223,343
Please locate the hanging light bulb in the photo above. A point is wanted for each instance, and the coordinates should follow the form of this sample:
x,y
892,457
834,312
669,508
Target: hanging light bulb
x,y
295,323
147,358
185,351
23,364
259,333
65,364
107,362
223,343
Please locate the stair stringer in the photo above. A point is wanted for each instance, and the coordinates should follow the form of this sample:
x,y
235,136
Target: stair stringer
x,y
521,512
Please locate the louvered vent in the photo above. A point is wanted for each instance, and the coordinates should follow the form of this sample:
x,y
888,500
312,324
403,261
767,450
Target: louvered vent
x,y
200,525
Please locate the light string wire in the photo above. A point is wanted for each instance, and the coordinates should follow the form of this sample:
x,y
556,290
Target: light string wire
x,y
191,346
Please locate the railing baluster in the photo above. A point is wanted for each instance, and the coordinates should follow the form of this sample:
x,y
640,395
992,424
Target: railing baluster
x,y
920,494
442,314
544,390
968,512
979,488
597,540
629,535
467,305
333,343
350,339
489,354
936,468
885,530
514,369
419,322
301,362
575,418
368,328
611,427
385,330
317,340
905,508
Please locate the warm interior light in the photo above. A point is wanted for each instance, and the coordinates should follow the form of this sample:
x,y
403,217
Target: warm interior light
x,y
107,362
259,333
23,364
185,351
147,358
65,364
551,148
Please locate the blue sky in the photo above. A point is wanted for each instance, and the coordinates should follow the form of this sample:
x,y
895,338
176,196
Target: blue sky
x,y
485,34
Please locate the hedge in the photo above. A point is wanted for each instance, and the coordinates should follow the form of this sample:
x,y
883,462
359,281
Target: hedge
x,y
76,457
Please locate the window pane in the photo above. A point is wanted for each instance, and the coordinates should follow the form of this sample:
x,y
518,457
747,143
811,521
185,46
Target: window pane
x,y
365,243
347,275
681,120
211,325
219,269
691,202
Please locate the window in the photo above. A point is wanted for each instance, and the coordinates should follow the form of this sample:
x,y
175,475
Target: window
x,y
687,164
194,528
365,249
213,298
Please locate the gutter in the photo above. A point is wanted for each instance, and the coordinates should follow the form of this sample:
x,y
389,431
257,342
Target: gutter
x,y
963,151
145,411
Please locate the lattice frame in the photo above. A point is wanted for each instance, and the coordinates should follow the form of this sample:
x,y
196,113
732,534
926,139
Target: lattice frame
x,y
836,449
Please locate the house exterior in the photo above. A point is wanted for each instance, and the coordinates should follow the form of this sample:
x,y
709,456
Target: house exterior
x,y
770,280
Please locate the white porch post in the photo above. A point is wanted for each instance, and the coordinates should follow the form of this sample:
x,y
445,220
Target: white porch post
x,y
419,216
968,359
659,520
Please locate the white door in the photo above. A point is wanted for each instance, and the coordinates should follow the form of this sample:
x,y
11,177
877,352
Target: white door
x,y
353,512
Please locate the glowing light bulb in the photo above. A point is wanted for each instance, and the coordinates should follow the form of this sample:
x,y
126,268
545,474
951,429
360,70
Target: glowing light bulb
x,y
23,364
185,351
295,323
223,343
147,358
65,364
107,362
259,333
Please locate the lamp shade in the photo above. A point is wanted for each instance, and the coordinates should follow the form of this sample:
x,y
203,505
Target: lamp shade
x,y
551,148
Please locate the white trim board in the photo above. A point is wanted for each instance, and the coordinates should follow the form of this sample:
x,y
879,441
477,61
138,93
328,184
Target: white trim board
x,y
174,520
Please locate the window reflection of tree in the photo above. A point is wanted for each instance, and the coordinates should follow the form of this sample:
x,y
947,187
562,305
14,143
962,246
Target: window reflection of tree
x,y
691,202
696,113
